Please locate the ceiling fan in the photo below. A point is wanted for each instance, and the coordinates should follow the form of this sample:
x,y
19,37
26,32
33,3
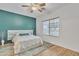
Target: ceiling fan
x,y
36,7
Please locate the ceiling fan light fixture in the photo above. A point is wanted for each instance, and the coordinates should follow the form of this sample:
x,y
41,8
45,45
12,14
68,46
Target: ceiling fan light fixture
x,y
34,8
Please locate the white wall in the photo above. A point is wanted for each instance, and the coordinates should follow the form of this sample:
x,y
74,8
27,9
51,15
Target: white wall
x,y
69,33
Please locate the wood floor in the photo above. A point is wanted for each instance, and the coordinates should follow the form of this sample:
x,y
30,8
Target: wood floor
x,y
51,51
58,51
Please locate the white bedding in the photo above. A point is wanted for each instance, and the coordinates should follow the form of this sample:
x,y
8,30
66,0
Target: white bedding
x,y
22,43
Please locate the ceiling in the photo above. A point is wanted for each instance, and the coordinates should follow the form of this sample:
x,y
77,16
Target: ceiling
x,y
16,8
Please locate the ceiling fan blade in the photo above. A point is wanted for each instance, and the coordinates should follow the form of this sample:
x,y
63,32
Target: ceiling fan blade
x,y
43,8
25,6
31,11
40,10
42,4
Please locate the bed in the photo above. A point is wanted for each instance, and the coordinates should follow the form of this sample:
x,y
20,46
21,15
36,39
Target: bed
x,y
24,40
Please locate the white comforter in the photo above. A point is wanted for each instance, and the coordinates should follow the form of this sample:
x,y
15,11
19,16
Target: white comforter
x,y
23,43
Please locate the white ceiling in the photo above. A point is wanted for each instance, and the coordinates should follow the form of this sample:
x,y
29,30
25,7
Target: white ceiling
x,y
16,8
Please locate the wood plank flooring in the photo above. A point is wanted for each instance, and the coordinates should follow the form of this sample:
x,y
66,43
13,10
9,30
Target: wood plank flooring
x,y
58,51
55,50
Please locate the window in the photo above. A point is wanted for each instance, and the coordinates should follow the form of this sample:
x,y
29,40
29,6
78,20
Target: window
x,y
54,27
51,27
46,27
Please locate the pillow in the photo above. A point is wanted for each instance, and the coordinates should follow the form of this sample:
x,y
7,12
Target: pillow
x,y
23,34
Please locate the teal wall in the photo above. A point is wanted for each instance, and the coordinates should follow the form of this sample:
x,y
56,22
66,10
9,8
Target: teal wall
x,y
12,21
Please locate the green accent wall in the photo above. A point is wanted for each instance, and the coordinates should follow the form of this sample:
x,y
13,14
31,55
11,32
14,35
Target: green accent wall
x,y
13,21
